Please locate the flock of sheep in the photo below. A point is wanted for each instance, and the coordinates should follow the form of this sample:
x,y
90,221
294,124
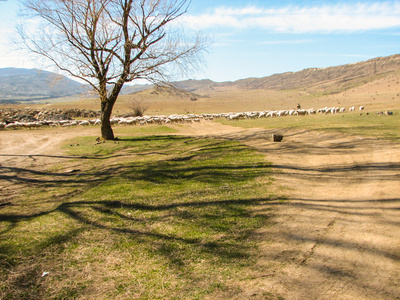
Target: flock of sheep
x,y
174,119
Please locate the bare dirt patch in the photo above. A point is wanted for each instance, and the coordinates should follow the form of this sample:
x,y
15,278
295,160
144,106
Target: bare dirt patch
x,y
336,236
25,154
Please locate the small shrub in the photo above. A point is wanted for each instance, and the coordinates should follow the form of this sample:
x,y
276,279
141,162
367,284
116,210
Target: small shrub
x,y
137,107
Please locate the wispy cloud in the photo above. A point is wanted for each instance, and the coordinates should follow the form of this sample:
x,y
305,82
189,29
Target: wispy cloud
x,y
286,42
308,19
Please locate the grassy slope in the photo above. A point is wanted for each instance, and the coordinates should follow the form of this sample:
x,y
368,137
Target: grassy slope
x,y
149,217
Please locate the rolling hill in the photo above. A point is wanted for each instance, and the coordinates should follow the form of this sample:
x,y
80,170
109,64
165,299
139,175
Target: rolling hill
x,y
34,84
313,76
17,84
305,78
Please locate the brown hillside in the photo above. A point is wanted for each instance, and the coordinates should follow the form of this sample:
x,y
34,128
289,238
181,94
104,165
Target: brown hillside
x,y
312,76
374,84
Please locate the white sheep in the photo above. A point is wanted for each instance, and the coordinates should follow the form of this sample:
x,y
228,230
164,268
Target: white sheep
x,y
235,116
301,112
15,125
84,123
311,111
31,125
262,114
114,121
63,122
252,115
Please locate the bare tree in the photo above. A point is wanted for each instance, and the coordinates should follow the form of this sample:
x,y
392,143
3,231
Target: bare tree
x,y
107,43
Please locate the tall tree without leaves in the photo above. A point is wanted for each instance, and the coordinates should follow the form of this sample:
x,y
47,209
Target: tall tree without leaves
x,y
107,43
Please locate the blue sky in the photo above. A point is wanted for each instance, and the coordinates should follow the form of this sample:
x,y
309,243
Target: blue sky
x,y
253,38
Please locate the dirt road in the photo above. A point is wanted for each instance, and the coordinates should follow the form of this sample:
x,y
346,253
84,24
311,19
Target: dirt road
x,y
337,236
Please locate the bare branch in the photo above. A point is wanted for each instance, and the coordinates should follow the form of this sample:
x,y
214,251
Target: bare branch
x,y
107,43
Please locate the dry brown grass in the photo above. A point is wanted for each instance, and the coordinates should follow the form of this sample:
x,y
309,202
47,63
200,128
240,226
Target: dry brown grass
x,y
380,92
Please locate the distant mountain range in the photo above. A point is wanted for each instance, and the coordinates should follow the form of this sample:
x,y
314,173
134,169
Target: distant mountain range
x,y
33,84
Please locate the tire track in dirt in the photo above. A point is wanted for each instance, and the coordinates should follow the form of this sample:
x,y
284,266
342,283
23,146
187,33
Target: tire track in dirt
x,y
24,153
338,235
318,241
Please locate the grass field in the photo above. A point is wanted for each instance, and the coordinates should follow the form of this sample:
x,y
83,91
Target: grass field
x,y
149,217
372,125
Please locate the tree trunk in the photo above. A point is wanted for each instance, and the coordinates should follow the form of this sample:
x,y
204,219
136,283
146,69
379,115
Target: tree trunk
x,y
106,129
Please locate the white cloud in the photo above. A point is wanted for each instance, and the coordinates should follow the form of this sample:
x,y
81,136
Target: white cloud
x,y
285,42
239,11
295,19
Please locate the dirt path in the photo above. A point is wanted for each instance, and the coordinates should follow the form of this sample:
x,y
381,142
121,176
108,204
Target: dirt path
x,y
24,152
336,237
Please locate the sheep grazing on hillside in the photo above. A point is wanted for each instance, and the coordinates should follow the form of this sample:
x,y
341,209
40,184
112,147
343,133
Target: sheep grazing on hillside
x,y
179,119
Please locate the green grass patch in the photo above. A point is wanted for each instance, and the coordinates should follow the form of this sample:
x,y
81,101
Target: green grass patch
x,y
147,217
143,130
371,125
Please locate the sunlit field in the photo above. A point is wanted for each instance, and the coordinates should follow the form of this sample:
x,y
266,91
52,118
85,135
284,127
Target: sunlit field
x,y
157,214
369,124
150,217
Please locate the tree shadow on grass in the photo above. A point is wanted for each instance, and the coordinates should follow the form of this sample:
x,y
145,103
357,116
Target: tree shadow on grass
x,y
173,247
177,249
113,209
179,231
43,178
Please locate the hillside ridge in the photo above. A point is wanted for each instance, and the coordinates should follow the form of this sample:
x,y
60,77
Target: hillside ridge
x,y
18,84
311,76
